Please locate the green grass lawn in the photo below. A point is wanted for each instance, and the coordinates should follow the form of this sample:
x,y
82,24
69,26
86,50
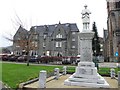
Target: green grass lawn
x,y
14,74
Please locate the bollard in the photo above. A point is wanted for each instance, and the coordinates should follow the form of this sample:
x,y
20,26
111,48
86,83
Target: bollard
x,y
119,78
112,73
64,70
56,73
42,79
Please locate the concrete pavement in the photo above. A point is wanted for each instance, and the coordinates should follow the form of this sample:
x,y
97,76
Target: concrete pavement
x,y
60,83
2,85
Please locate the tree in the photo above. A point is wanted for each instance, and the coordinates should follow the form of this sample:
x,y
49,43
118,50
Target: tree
x,y
6,50
95,41
24,39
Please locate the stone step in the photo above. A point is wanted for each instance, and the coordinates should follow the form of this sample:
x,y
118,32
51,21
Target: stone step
x,y
85,84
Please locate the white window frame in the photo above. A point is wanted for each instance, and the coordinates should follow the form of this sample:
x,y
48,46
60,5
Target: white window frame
x,y
58,36
73,46
36,36
58,44
44,44
36,44
73,39
44,36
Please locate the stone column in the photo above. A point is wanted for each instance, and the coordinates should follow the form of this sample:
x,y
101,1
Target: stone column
x,y
56,73
119,78
112,73
42,79
64,70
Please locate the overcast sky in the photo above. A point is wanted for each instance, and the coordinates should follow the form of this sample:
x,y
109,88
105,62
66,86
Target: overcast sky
x,y
46,12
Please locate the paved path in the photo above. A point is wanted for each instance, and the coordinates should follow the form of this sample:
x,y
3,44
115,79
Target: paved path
x,y
111,65
60,83
2,85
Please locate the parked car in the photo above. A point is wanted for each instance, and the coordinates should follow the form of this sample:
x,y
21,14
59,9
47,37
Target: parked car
x,y
66,60
4,57
22,58
34,59
13,58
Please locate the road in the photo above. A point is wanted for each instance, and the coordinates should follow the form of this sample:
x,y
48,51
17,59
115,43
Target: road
x,y
105,64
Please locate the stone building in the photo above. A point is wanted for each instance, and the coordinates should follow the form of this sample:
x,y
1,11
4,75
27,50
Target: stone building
x,y
105,45
101,46
52,40
113,23
20,41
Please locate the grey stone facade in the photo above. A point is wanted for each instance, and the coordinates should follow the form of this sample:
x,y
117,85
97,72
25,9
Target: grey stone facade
x,y
113,23
53,40
20,41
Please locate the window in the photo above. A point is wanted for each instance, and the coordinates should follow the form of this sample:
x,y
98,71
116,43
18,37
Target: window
x,y
18,46
45,35
101,45
35,27
43,44
17,53
73,39
36,37
58,44
67,24
101,50
36,44
73,46
118,4
56,25
18,38
73,32
59,36
33,53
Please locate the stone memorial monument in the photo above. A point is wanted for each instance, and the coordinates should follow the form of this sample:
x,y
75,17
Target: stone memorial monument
x,y
86,72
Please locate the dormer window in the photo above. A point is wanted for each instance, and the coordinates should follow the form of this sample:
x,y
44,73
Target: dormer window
x,y
67,24
59,36
56,25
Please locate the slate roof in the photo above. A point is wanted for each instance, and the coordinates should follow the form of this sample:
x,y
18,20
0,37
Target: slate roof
x,y
20,30
50,28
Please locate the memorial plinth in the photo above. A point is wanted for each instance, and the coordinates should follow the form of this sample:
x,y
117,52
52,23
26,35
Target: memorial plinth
x,y
86,72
